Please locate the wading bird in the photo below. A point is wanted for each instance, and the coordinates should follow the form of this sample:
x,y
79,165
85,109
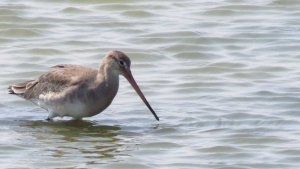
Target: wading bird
x,y
78,91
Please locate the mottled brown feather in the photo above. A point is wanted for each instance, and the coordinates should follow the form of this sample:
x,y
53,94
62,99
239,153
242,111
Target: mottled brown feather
x,y
56,80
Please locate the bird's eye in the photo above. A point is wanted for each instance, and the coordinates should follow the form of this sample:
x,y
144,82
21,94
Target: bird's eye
x,y
121,63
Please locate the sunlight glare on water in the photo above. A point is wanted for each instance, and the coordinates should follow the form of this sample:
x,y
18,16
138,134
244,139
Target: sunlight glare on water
x,y
223,76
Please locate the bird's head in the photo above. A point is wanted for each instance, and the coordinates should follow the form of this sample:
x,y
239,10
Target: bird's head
x,y
121,63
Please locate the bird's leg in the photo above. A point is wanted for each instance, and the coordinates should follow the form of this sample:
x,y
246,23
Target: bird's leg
x,y
50,117
76,118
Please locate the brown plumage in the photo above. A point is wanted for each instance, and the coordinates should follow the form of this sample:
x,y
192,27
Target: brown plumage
x,y
79,91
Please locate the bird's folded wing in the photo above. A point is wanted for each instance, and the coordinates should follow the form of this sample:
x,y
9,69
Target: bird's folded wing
x,y
56,80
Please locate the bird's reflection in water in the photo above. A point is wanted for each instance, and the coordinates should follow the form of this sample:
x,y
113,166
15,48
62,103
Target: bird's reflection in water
x,y
77,138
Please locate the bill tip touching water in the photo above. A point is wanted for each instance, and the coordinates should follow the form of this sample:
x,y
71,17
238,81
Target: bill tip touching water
x,y
78,91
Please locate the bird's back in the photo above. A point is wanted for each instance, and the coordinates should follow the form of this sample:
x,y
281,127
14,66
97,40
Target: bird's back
x,y
57,80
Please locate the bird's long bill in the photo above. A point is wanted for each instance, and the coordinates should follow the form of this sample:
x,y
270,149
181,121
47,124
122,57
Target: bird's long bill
x,y
131,80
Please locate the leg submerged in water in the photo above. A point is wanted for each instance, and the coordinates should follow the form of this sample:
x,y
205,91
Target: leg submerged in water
x,y
50,117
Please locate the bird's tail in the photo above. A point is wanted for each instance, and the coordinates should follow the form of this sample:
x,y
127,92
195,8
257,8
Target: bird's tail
x,y
20,88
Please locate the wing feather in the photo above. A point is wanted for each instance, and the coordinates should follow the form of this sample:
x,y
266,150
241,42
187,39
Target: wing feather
x,y
56,80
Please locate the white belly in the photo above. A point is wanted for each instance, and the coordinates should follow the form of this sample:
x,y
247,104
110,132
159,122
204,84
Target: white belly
x,y
59,105
75,109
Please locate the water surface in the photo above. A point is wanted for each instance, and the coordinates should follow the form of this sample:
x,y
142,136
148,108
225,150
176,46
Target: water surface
x,y
223,76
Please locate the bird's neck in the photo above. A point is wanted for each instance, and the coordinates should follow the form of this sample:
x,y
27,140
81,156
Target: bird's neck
x,y
108,78
104,88
108,73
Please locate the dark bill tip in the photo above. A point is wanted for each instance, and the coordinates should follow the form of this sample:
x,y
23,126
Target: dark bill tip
x,y
133,83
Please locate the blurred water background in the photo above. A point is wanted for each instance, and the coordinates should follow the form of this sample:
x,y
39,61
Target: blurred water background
x,y
223,76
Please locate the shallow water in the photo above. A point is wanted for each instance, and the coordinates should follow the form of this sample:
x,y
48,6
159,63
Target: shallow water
x,y
223,76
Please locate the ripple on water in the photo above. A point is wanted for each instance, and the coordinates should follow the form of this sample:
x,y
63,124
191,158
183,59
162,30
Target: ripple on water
x,y
7,12
122,165
75,10
14,19
222,76
219,149
137,13
245,7
254,140
220,12
284,3
20,33
201,55
45,51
